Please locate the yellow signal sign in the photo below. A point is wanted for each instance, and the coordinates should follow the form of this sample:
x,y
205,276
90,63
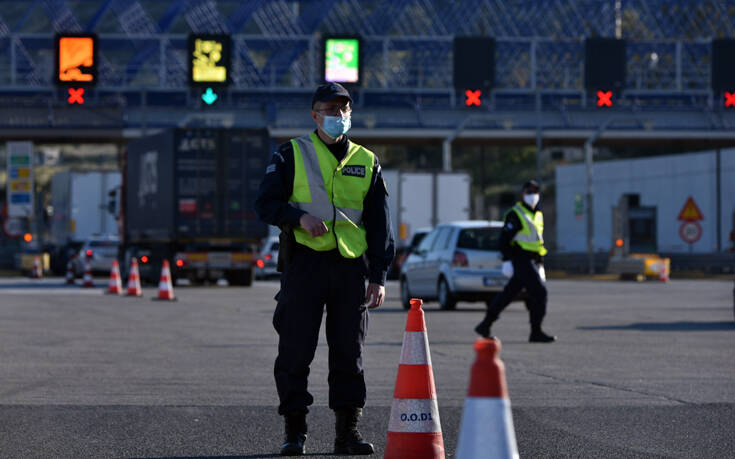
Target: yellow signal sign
x,y
690,212
76,58
209,59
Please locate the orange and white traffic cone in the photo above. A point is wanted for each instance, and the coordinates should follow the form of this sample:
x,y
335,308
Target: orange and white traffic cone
x,y
114,287
36,272
414,429
487,423
165,288
663,275
70,271
134,280
87,279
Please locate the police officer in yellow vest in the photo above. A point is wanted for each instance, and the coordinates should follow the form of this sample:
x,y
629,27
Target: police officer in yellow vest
x,y
326,193
522,246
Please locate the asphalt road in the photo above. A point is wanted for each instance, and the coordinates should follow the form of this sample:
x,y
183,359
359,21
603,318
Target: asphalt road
x,y
640,370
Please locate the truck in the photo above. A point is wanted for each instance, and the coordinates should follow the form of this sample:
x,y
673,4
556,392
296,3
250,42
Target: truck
x,y
189,197
425,199
84,205
421,200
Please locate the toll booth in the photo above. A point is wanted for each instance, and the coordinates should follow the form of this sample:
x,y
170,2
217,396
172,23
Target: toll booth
x,y
634,229
634,225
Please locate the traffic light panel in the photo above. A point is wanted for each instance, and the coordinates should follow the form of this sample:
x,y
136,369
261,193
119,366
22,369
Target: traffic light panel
x,y
209,60
474,65
723,70
76,65
76,60
342,59
604,68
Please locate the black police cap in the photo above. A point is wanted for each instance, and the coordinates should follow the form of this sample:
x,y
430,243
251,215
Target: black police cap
x,y
531,185
328,91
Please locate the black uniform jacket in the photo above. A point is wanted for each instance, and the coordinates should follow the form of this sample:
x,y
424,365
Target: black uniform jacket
x,y
273,207
510,229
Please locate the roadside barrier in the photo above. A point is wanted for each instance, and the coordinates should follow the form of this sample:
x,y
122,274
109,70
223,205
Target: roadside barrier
x,y
487,423
414,429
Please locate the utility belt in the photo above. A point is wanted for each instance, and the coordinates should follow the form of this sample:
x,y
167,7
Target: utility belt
x,y
519,253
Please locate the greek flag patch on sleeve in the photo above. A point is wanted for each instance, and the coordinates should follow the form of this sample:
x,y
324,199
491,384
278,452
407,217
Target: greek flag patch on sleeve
x,y
270,169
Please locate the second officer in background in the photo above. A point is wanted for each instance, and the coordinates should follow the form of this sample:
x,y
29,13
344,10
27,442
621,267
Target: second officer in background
x,y
522,246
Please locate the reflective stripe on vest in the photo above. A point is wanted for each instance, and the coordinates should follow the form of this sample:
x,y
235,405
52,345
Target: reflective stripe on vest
x,y
530,236
340,206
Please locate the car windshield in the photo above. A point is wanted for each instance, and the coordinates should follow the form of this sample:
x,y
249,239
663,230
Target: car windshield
x,y
417,238
479,239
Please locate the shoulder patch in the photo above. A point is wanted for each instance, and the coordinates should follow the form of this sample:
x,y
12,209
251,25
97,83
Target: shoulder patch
x,y
509,225
270,169
354,171
277,155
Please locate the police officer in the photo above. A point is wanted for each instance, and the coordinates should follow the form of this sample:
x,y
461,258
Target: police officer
x,y
522,246
327,195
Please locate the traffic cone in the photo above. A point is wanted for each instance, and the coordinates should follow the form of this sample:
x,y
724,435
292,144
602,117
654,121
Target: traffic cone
x,y
414,429
165,288
87,279
663,275
134,280
36,272
487,424
114,287
70,271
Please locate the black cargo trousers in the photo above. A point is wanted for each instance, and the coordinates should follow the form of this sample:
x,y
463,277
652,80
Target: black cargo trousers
x,y
525,275
312,280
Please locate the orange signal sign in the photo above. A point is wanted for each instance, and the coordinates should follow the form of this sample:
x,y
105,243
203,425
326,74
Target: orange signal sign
x,y
690,212
76,59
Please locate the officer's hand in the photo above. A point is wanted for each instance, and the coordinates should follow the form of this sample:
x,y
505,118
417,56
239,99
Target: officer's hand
x,y
374,295
314,226
507,269
542,273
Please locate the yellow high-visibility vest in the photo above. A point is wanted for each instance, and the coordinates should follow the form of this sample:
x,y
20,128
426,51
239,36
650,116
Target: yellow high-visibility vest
x,y
530,236
333,192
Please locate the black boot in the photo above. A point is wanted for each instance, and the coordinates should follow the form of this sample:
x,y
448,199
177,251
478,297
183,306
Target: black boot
x,y
538,336
293,444
483,329
349,440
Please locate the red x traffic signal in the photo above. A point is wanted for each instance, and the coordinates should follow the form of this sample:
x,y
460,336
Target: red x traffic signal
x,y
604,98
473,97
76,96
729,99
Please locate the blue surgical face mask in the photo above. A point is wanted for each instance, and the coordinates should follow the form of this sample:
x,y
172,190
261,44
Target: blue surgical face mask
x,y
335,126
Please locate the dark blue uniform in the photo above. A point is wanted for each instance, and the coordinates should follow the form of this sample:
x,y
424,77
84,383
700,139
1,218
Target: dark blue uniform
x,y
314,279
525,275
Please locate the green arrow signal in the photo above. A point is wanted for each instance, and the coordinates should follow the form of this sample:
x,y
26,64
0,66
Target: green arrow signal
x,y
209,96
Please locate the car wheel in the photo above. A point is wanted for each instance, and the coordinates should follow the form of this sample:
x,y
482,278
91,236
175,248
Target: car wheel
x,y
405,294
447,301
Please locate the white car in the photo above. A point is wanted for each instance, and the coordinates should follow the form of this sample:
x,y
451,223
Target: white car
x,y
100,250
457,261
267,263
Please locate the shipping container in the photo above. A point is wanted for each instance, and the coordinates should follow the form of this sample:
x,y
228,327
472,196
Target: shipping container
x,y
189,198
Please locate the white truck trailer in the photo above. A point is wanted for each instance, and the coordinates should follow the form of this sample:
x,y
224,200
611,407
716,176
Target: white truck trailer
x,y
425,199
